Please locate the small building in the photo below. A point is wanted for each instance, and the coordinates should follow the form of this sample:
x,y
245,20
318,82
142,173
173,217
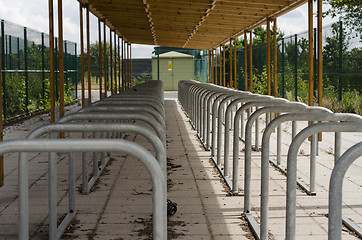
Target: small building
x,y
173,67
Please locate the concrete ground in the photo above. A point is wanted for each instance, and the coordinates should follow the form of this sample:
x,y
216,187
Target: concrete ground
x,y
119,206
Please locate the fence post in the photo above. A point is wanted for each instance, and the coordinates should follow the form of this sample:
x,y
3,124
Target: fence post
x,y
10,62
283,80
3,67
1,107
26,70
56,68
296,68
340,61
315,61
66,67
76,71
158,65
42,67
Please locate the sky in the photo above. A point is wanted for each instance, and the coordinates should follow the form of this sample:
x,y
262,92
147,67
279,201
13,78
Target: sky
x,y
34,14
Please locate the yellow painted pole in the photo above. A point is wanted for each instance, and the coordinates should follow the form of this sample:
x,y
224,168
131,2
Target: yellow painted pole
x,y
275,63
209,66
235,77
212,66
268,56
216,82
119,65
231,65
128,76
105,58
51,60
220,66
310,53
130,59
129,64
115,63
126,64
251,61
89,60
100,58
123,73
223,63
2,171
111,59
245,62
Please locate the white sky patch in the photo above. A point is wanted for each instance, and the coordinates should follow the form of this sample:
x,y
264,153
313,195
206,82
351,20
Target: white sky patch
x,y
34,14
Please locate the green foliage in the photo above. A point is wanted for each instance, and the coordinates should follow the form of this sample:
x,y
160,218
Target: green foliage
x,y
144,77
347,10
15,94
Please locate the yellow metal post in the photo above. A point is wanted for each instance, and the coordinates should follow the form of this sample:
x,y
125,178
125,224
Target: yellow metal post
x,y
111,59
130,59
123,73
216,82
115,63
89,60
245,62
231,65
268,55
209,66
235,77
100,58
119,65
223,63
220,76
126,64
212,66
129,64
251,61
275,59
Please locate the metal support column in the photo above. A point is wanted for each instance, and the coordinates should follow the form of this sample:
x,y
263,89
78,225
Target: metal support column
x,y
81,55
245,62
100,58
61,60
235,77
268,56
26,71
231,65
251,61
105,58
89,60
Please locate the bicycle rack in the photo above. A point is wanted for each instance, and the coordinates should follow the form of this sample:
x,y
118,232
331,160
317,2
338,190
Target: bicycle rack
x,y
100,127
292,159
200,100
335,194
84,145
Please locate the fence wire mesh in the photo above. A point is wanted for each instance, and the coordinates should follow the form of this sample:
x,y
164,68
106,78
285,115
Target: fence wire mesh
x,y
25,70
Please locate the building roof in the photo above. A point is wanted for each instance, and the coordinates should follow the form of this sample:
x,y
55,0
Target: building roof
x,y
173,54
199,24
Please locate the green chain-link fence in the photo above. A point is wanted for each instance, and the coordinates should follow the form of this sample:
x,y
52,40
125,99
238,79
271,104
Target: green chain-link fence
x,y
25,70
342,68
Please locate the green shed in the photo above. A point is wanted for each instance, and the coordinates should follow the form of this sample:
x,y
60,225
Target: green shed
x,y
174,66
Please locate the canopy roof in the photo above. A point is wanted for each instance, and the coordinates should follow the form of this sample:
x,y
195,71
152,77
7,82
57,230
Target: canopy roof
x,y
199,24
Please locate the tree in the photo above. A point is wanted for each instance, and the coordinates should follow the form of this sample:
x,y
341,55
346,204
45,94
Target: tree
x,y
349,11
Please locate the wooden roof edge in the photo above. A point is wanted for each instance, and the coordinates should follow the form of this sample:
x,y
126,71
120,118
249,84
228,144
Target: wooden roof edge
x,y
283,11
105,20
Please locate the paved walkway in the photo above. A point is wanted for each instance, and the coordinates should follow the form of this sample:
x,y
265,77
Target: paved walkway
x,y
119,207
